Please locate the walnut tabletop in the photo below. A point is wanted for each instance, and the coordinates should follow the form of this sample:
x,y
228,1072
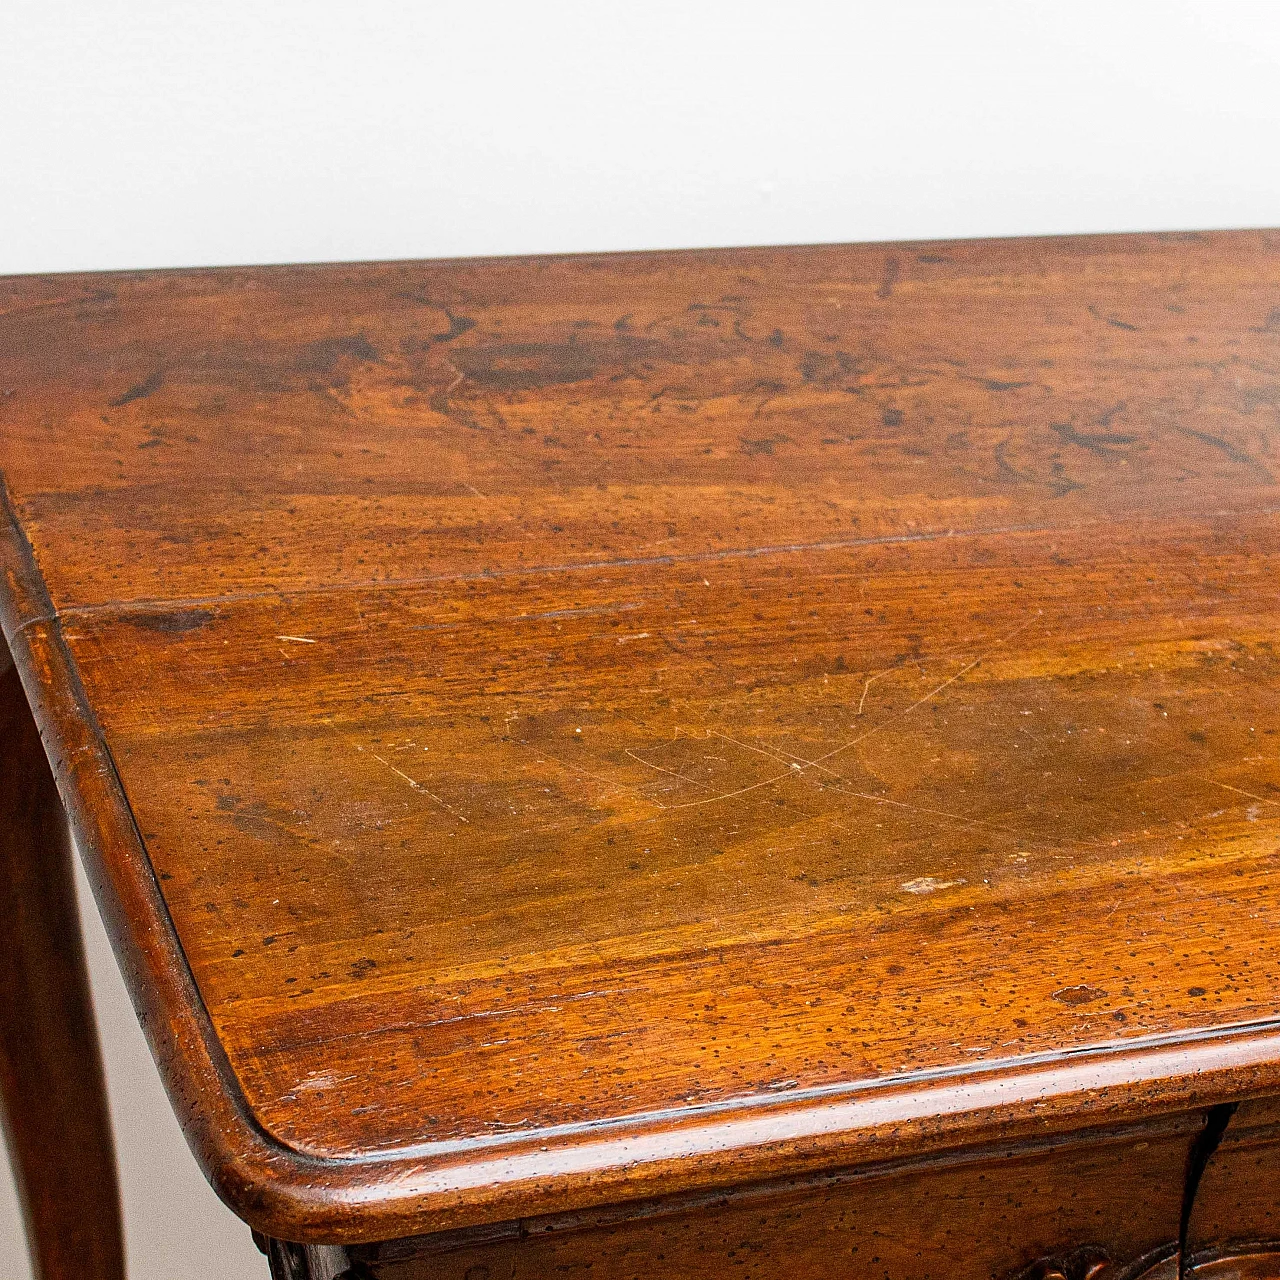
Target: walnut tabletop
x,y
552,734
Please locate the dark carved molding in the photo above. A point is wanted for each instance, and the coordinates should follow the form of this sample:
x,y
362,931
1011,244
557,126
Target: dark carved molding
x,y
1094,1262
1237,1260
1088,1262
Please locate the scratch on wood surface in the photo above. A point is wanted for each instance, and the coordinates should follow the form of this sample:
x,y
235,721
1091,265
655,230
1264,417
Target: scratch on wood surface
x,y
417,786
297,639
862,702
1240,791
729,795
933,693
555,1005
663,769
930,884
799,765
586,773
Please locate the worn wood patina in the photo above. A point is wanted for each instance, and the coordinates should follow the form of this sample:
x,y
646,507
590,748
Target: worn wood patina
x,y
565,736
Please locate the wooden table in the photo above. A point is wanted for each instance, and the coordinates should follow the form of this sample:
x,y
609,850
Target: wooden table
x,y
758,763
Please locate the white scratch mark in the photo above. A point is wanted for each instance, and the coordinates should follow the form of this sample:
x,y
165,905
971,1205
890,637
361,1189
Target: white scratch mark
x,y
1226,786
728,795
663,769
800,763
862,702
322,1080
803,764
933,693
417,786
586,773
297,639
929,884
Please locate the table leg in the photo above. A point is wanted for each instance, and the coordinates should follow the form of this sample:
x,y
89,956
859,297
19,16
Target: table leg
x,y
51,1083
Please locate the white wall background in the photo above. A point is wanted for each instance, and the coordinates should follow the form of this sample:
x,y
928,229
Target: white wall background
x,y
163,134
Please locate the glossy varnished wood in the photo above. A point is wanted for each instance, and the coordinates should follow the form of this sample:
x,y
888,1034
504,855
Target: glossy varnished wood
x,y
52,1098
552,732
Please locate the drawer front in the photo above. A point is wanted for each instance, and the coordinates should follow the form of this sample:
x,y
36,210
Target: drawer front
x,y
1100,1207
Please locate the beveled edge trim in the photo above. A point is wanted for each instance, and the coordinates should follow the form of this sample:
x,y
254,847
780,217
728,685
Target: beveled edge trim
x,y
290,1195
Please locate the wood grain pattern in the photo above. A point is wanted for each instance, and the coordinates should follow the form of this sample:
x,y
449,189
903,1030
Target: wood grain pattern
x,y
53,1100
606,727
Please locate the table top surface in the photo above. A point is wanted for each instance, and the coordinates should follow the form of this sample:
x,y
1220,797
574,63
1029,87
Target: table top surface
x,y
547,730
